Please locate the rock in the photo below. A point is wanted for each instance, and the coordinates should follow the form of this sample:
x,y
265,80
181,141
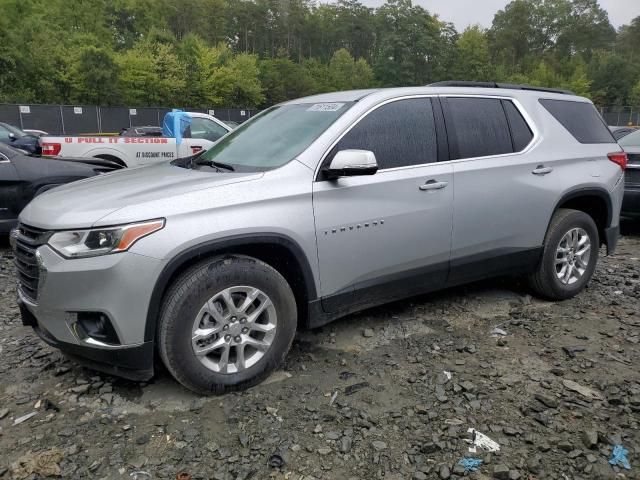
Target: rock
x,y
509,431
80,389
444,472
66,432
514,475
565,446
143,439
546,400
468,386
582,390
590,439
368,333
379,445
3,412
351,389
324,451
501,472
419,476
345,444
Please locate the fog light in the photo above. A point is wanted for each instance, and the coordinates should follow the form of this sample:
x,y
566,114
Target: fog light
x,y
97,326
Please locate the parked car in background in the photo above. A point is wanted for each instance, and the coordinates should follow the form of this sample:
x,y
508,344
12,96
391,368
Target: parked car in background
x,y
146,131
23,177
35,133
316,208
631,203
183,134
15,137
619,132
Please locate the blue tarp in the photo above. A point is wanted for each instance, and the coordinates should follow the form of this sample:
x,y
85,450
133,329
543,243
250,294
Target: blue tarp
x,y
175,123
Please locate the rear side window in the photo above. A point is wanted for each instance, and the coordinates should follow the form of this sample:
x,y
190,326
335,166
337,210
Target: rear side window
x,y
581,119
400,133
478,126
520,131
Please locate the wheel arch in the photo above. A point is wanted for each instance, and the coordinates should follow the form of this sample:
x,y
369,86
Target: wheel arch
x,y
112,158
278,251
595,202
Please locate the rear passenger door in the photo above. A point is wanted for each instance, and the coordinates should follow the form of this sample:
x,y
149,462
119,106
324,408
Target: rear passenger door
x,y
386,235
502,195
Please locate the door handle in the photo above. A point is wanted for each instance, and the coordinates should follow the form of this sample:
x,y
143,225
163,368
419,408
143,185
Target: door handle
x,y
542,170
433,185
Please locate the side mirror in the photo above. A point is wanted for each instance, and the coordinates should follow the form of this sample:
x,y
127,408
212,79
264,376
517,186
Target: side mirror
x,y
351,163
12,136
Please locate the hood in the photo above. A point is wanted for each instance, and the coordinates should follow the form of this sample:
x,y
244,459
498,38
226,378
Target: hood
x,y
82,204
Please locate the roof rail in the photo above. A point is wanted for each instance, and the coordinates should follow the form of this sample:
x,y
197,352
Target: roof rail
x,y
511,86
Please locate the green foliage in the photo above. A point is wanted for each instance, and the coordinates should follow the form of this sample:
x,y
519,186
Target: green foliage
x,y
254,53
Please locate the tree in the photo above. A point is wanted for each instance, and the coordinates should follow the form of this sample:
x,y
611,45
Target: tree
x,y
94,77
412,47
473,56
345,73
151,75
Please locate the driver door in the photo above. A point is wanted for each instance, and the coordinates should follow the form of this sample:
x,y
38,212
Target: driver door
x,y
387,235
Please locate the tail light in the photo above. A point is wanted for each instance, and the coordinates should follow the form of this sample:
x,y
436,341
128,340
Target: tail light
x,y
619,158
51,149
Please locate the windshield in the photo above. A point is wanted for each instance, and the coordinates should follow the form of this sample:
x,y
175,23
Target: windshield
x,y
274,137
631,140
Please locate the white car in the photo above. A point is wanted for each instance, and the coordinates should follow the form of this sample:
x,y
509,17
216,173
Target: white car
x,y
190,133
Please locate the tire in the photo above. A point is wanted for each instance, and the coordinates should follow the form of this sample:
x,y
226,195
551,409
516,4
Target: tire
x,y
201,289
545,281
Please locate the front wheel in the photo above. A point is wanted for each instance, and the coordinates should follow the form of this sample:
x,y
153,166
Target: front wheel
x,y
570,256
226,324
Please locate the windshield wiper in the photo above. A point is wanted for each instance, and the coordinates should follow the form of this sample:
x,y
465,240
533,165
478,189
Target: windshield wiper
x,y
213,163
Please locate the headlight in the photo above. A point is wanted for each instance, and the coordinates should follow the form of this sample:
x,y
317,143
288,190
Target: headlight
x,y
100,241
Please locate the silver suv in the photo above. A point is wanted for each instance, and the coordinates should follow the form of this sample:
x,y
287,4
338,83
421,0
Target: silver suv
x,y
314,209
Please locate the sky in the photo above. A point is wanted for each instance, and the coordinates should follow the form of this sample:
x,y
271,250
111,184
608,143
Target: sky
x,y
463,13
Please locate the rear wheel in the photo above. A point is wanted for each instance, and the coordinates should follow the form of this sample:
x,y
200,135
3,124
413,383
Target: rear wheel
x,y
570,256
226,324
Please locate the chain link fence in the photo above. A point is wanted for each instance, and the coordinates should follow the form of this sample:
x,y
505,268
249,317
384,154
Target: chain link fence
x,y
621,116
88,119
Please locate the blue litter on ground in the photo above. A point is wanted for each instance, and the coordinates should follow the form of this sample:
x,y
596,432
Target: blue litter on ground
x,y
619,457
470,464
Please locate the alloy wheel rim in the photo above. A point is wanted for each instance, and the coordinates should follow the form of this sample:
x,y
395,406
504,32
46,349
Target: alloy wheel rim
x,y
234,329
572,256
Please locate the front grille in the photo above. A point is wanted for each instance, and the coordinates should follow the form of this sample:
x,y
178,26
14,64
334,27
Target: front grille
x,y
27,240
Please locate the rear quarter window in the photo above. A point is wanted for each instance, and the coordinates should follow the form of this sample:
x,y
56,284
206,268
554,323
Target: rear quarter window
x,y
581,119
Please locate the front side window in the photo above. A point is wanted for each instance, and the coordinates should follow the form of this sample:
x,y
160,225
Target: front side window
x,y
274,137
400,133
478,126
203,128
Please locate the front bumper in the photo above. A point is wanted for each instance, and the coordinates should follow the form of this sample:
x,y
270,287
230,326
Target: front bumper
x,y
118,286
133,363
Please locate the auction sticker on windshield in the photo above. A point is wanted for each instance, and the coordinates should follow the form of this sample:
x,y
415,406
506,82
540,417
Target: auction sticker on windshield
x,y
325,107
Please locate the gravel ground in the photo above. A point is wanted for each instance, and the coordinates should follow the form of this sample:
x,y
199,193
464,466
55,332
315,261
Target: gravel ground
x,y
389,393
